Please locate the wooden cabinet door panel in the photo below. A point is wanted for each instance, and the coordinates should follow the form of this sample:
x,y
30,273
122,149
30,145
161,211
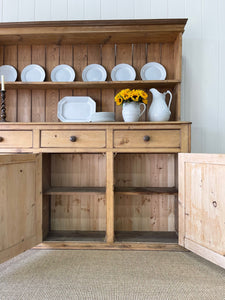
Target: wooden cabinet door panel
x,y
202,205
20,204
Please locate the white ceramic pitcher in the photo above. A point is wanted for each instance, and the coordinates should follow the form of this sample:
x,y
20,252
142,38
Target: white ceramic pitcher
x,y
159,111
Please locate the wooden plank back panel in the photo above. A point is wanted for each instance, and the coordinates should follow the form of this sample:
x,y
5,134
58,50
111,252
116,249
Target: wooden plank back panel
x,y
145,213
52,99
38,96
139,60
24,96
52,96
52,59
150,212
108,62
80,212
95,57
80,59
10,58
66,57
124,54
145,170
167,59
71,170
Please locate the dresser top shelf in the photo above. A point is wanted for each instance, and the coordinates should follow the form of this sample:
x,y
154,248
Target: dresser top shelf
x,y
104,31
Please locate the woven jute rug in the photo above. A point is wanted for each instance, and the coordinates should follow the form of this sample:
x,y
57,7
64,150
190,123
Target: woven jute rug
x,y
93,274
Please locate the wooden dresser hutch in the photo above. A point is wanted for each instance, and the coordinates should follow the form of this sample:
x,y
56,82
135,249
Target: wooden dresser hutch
x,y
110,188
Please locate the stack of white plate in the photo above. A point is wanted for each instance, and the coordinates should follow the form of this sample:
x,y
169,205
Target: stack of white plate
x,y
103,117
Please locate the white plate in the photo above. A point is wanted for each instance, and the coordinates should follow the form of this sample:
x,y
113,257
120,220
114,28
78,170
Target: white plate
x,y
9,72
33,73
123,72
76,109
94,72
153,71
63,73
103,117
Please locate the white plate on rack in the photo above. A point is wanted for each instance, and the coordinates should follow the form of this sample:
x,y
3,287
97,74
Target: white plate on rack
x,y
123,72
153,71
63,73
94,72
33,73
76,109
9,72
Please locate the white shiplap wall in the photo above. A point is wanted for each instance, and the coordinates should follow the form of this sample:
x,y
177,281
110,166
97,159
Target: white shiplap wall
x,y
203,88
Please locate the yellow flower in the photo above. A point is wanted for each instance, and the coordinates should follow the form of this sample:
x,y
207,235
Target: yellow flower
x,y
135,95
127,95
145,101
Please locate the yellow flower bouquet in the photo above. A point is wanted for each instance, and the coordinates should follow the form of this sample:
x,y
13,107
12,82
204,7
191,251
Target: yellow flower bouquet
x,y
127,95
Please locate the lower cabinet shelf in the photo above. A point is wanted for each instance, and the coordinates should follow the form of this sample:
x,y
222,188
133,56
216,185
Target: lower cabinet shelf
x,y
76,236
146,236
73,190
163,241
120,236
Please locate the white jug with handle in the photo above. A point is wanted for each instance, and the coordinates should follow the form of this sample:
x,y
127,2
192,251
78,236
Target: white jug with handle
x,y
159,111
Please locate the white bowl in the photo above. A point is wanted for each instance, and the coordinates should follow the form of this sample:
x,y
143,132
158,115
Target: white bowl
x,y
103,117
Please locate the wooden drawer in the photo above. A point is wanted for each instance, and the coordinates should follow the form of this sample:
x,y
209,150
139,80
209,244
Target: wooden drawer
x,y
147,138
73,138
15,139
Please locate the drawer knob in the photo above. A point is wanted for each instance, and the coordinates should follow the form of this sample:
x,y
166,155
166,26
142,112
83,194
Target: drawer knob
x,y
1,139
146,138
73,138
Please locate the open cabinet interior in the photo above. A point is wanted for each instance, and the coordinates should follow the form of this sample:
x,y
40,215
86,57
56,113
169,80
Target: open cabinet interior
x,y
74,202
145,197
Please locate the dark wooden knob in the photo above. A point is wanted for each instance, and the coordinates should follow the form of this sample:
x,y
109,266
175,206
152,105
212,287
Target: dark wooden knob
x,y
1,139
146,138
73,138
214,203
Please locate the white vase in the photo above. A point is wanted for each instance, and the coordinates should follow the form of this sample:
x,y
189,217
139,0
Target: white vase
x,y
131,111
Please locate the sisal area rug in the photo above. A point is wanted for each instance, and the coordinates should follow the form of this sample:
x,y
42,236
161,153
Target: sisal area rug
x,y
98,274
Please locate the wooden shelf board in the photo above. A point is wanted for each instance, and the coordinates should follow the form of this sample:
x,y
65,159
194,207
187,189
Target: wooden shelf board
x,y
146,190
146,236
151,241
109,246
95,84
74,190
82,236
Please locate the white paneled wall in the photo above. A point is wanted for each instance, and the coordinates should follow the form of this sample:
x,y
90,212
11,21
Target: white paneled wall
x,y
203,87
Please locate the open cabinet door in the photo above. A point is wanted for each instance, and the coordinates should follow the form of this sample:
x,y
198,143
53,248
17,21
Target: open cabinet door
x,y
20,203
202,205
